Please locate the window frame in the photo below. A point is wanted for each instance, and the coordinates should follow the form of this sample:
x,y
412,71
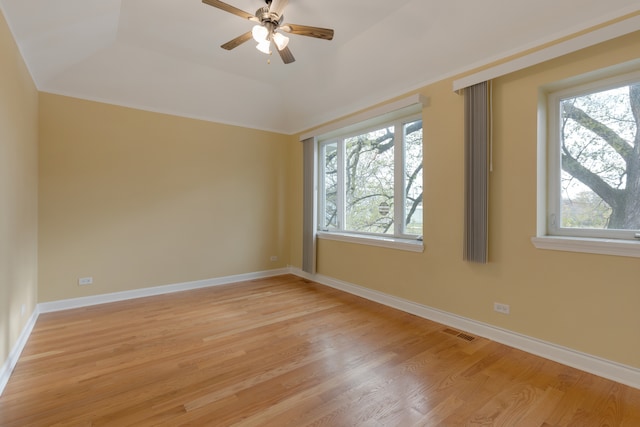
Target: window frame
x,y
554,190
550,236
398,239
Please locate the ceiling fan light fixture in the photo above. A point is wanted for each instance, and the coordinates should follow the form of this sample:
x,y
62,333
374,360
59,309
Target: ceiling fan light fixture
x,y
280,40
260,33
269,20
264,47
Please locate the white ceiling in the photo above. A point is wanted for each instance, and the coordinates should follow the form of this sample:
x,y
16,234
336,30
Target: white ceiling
x,y
164,55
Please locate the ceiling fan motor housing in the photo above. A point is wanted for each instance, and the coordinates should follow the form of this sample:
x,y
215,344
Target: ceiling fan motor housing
x,y
265,16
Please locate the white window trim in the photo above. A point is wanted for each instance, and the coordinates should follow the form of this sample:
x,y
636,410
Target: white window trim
x,y
553,146
398,119
409,102
411,245
554,238
403,107
627,248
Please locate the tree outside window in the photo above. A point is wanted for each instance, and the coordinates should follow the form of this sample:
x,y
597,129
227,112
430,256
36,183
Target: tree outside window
x,y
598,149
365,176
600,159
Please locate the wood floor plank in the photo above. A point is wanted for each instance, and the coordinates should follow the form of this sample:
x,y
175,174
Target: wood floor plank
x,y
285,351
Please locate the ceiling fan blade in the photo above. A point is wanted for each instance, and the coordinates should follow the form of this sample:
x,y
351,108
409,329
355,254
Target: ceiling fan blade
x,y
286,55
277,6
231,9
304,30
237,41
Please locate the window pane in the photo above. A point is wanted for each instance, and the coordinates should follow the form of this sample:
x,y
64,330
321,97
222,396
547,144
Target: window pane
x,y
329,157
413,177
369,182
600,181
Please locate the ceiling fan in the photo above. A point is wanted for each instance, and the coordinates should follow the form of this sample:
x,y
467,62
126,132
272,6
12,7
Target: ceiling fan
x,y
268,29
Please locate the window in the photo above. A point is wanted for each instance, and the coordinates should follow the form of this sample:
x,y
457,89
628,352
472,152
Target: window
x,y
370,180
594,160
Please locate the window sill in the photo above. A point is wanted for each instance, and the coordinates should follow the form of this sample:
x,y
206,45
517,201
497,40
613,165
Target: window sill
x,y
614,247
410,245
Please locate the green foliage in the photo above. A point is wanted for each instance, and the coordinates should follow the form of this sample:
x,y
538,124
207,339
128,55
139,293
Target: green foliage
x,y
586,210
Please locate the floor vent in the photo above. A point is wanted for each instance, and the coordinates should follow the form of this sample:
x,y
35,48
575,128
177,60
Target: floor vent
x,y
466,337
459,334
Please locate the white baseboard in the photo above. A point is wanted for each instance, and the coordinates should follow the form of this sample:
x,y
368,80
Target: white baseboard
x,y
14,355
47,307
585,362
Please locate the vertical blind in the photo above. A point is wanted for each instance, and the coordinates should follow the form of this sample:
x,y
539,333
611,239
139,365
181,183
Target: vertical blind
x,y
476,156
308,208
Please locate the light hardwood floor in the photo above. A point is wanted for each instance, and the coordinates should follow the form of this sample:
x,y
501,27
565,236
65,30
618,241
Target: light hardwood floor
x,y
282,352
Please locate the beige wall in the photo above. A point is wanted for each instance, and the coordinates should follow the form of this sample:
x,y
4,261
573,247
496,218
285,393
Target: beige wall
x,y
18,192
585,302
137,199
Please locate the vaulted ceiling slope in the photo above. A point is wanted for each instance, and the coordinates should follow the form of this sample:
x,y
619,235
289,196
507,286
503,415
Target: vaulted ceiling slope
x,y
165,55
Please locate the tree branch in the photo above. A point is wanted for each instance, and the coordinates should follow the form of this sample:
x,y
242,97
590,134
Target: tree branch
x,y
368,196
378,143
621,146
389,137
598,185
414,206
412,178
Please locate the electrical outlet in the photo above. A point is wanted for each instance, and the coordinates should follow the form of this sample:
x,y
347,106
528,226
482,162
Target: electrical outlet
x,y
85,281
501,308
274,258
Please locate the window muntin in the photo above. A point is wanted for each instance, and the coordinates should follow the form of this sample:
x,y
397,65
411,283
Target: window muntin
x,y
371,180
594,160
